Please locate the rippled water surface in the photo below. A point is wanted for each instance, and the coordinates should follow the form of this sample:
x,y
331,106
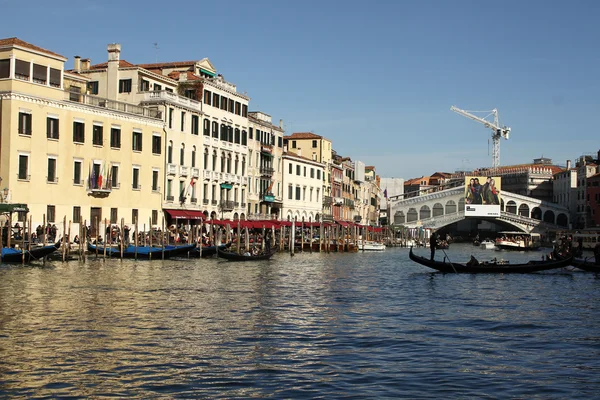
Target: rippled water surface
x,y
370,325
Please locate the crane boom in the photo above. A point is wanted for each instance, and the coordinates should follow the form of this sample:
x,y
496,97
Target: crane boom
x,y
497,130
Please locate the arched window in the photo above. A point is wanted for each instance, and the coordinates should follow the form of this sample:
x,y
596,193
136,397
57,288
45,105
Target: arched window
x,y
170,152
223,132
214,161
215,129
182,154
206,127
230,134
524,210
243,166
244,138
237,136
229,163
222,162
438,210
412,215
193,156
425,212
206,158
237,162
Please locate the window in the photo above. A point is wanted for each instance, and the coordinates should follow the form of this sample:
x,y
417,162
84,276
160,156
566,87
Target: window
x,y
51,177
297,192
113,215
314,144
194,157
137,141
24,123
243,166
196,125
52,128
207,97
170,153
237,137
312,172
223,132
291,168
251,133
55,77
156,144
134,215
125,86
136,178
92,87
216,98
298,170
290,192
78,132
4,69
231,105
206,159
182,155
170,90
238,108
293,144
182,191
304,171
279,141
222,162
154,217
76,214
190,94
97,134
170,189
319,174
51,213
244,138
115,138
22,70
114,176
244,111
40,74
157,87
183,121
171,111
223,103
144,86
77,173
155,181
215,129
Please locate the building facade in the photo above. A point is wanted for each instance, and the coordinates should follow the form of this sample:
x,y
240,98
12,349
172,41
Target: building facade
x,y
303,186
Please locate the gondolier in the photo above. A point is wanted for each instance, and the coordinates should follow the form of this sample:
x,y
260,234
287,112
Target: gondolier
x,y
433,243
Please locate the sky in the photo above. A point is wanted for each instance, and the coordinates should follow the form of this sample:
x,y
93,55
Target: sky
x,y
375,77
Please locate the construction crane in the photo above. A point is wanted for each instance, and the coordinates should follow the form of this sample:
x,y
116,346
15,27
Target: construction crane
x,y
497,130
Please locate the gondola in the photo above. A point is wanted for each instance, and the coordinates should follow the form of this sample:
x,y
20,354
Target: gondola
x,y
231,256
143,252
208,251
12,255
586,265
489,267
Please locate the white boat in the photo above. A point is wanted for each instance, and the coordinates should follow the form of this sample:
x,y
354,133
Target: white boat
x,y
518,241
488,244
371,246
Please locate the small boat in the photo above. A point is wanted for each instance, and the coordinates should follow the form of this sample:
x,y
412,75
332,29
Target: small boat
x,y
231,256
586,265
489,267
143,252
208,251
519,241
13,255
488,244
371,246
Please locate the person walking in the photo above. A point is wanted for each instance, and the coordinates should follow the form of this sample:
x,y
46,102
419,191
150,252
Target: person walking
x,y
433,243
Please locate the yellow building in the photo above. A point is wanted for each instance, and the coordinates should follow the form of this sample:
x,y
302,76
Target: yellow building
x,y
66,153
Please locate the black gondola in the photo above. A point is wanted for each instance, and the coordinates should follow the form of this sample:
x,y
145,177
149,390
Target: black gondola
x,y
231,256
490,267
143,252
586,265
208,251
12,255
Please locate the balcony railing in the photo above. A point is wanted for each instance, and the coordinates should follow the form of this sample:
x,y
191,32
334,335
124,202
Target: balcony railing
x,y
227,205
52,179
207,174
196,172
193,200
170,97
266,171
205,201
171,169
214,202
170,198
327,200
266,148
183,170
111,104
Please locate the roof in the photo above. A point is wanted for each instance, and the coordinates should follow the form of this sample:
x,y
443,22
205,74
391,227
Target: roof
x,y
122,64
415,181
190,75
303,135
173,64
13,41
292,154
521,167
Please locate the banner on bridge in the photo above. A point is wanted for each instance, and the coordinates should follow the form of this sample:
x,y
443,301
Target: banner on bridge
x,y
482,196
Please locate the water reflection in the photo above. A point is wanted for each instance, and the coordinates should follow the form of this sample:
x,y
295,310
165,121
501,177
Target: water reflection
x,y
330,325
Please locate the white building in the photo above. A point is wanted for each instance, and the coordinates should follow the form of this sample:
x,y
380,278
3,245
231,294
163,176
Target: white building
x,y
564,189
302,188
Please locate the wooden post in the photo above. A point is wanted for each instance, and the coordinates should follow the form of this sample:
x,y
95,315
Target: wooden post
x,y
29,235
136,239
45,230
23,249
262,245
105,239
149,239
239,237
9,230
84,237
122,237
162,250
302,236
247,239
310,235
64,238
320,235
292,236
68,239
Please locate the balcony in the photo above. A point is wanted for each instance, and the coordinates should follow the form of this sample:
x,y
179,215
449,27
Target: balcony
x,y
111,104
170,198
337,180
357,218
266,171
214,202
266,149
227,205
195,172
338,201
205,201
183,170
327,200
162,96
171,169
193,200
207,174
96,190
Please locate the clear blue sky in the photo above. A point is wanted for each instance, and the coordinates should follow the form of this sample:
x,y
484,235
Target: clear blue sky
x,y
376,77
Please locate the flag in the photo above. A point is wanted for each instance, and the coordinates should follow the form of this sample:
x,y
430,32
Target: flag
x,y
193,182
385,193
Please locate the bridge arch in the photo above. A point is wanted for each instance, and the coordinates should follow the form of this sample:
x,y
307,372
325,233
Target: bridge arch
x,y
562,220
524,210
536,213
461,204
450,207
501,204
424,212
399,218
438,210
412,215
511,207
549,216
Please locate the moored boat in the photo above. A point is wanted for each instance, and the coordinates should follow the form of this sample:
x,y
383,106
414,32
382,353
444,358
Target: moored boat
x,y
371,246
586,265
15,255
232,256
488,244
476,267
143,252
519,241
208,251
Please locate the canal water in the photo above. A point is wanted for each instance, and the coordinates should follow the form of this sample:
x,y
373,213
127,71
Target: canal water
x,y
371,325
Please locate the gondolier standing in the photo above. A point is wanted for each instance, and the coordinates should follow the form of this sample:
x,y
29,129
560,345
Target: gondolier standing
x,y
433,243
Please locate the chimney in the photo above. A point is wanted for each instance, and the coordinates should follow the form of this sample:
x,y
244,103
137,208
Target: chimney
x,y
568,164
299,152
112,71
281,127
77,64
86,64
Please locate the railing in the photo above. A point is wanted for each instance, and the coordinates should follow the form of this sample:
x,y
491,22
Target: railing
x,y
205,201
170,198
195,172
52,180
183,170
193,200
227,205
207,174
111,104
214,202
23,177
327,200
163,95
266,171
156,189
171,169
260,216
266,148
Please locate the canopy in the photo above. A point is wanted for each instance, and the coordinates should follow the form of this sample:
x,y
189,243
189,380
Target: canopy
x,y
186,214
10,208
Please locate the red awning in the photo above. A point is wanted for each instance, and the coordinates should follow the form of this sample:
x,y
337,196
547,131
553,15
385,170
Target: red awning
x,y
342,223
185,214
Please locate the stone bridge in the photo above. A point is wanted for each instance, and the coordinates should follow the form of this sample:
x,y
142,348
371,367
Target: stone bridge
x,y
439,209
